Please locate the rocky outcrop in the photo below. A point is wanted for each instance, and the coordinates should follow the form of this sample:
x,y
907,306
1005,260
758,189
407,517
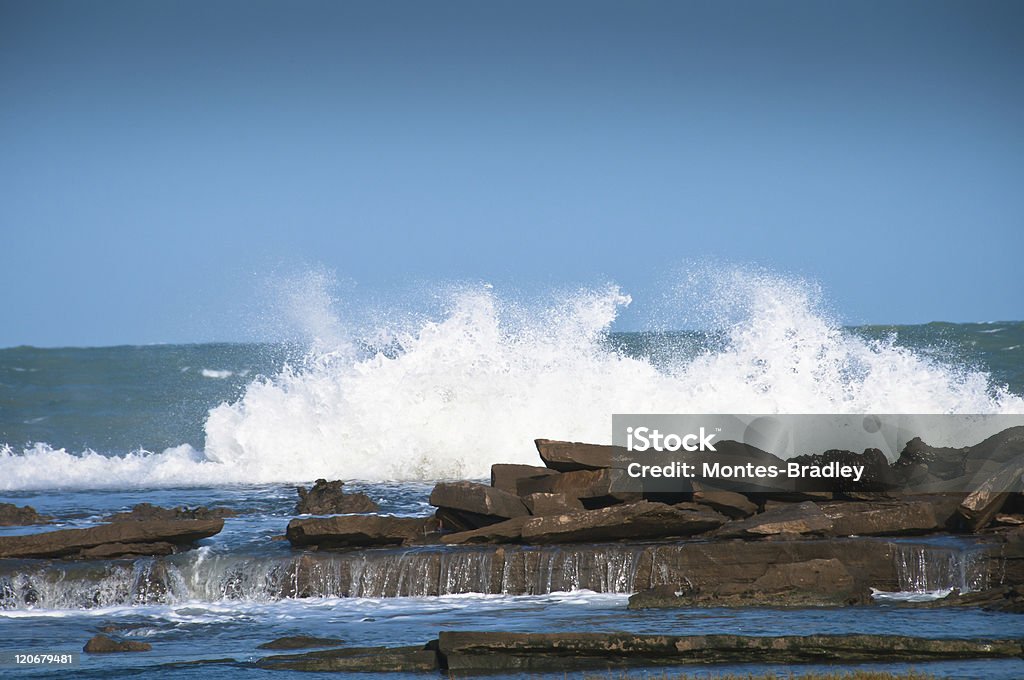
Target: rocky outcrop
x,y
572,456
634,520
536,652
13,516
300,642
148,512
346,531
357,660
130,538
328,498
102,644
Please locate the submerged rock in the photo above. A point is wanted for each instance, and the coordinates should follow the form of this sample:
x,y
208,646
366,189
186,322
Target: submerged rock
x,y
328,498
300,642
13,516
102,644
110,540
525,652
356,660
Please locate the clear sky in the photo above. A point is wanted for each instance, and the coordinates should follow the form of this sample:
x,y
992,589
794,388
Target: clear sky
x,y
157,157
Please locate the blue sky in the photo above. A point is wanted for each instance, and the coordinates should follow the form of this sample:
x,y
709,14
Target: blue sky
x,y
160,158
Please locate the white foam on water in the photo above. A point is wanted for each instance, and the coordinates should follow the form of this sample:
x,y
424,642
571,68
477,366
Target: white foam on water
x,y
219,374
477,384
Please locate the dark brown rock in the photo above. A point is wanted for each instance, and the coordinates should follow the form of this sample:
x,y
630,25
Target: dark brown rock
x,y
328,498
552,503
485,504
357,660
886,518
729,503
101,644
634,520
529,652
509,531
798,518
109,551
984,502
571,456
505,476
71,542
149,512
300,642
344,531
877,476
815,582
13,516
594,488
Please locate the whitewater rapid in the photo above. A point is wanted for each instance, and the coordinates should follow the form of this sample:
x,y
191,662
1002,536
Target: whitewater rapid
x,y
449,396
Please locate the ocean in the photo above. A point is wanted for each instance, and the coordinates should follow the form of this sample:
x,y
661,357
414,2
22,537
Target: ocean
x,y
397,405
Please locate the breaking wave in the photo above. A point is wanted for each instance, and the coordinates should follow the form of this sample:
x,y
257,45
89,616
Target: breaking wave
x,y
450,395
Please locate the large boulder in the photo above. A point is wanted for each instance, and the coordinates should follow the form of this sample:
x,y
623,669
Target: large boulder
x,y
13,516
791,518
643,519
346,531
476,504
506,476
328,498
74,542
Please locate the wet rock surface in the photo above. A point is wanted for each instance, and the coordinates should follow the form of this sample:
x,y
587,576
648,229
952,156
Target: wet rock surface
x,y
343,531
329,498
103,644
12,515
149,512
300,642
131,538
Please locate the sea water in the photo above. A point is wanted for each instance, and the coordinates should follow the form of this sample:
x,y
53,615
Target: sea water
x,y
391,408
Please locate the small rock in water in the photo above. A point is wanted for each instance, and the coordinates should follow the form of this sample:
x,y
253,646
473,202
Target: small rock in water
x,y
102,644
13,516
328,498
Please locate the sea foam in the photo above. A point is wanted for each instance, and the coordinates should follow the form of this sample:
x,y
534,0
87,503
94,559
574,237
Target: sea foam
x,y
475,385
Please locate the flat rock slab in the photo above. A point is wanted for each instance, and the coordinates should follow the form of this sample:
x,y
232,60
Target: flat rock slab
x,y
356,660
643,519
102,644
470,651
886,518
800,518
509,531
506,476
983,503
72,542
344,531
571,456
729,503
478,499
